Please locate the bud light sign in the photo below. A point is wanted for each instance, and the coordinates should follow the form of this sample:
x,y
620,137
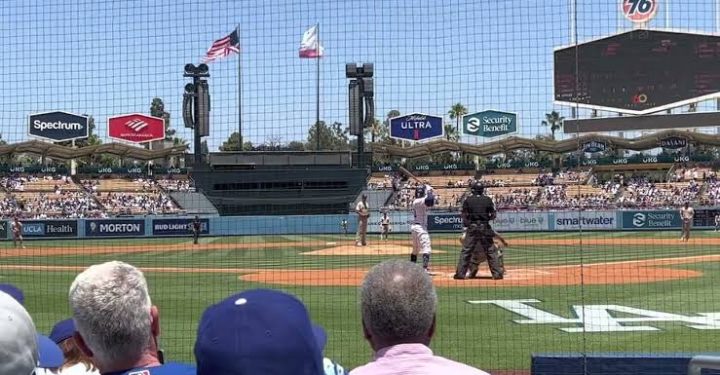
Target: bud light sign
x,y
489,123
58,126
416,127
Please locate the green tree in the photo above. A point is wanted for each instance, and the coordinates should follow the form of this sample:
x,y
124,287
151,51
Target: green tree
x,y
295,146
332,138
554,121
157,109
451,133
456,112
233,144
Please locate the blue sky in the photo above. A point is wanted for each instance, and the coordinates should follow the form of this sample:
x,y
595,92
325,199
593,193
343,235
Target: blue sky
x,y
106,57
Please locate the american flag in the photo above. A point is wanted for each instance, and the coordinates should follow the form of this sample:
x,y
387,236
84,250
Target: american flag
x,y
223,47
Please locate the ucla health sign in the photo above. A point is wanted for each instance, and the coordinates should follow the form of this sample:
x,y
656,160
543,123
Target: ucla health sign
x,y
490,124
50,228
416,127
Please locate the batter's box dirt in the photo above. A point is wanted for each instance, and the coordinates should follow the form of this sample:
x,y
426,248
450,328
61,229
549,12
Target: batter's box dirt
x,y
379,249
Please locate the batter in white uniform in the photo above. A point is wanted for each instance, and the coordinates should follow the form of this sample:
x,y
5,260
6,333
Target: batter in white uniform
x,y
424,198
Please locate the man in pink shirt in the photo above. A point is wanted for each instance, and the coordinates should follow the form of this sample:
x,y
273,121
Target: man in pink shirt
x,y
398,304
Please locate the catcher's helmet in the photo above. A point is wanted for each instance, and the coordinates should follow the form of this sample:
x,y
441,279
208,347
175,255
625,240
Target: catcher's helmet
x,y
477,188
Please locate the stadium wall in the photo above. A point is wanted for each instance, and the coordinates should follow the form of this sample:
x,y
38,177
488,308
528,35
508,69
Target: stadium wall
x,y
611,220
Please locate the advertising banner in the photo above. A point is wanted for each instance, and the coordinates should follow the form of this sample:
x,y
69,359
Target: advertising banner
x,y
505,222
590,220
416,127
651,219
136,128
50,228
489,124
178,227
398,222
115,228
58,126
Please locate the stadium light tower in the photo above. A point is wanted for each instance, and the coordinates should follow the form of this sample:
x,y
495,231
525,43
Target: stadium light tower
x,y
196,106
361,91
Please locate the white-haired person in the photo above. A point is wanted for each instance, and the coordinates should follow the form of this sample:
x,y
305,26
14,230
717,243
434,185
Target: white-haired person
x,y
117,324
398,305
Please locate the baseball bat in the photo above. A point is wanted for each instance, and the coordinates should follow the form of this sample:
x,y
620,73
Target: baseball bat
x,y
410,175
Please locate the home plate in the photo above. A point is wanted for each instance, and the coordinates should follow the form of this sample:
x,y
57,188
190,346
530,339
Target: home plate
x,y
330,243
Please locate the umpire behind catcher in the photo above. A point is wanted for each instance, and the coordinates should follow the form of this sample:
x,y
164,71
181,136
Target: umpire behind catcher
x,y
477,212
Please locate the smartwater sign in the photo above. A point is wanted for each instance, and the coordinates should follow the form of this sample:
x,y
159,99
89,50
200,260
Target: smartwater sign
x,y
178,227
585,220
115,228
58,126
416,127
651,219
490,124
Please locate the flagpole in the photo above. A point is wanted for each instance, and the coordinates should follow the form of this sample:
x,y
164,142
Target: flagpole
x,y
239,79
317,97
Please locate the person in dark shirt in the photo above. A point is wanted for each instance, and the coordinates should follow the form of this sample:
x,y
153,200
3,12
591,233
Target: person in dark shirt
x,y
196,227
477,212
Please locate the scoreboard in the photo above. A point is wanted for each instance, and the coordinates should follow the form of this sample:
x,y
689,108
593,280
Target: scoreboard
x,y
639,72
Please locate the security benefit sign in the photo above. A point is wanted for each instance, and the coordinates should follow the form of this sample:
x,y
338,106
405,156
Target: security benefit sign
x,y
601,318
489,124
416,127
58,126
178,227
115,228
651,219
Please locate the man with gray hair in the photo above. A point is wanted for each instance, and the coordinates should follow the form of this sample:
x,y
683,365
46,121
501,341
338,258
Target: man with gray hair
x,y
117,325
398,304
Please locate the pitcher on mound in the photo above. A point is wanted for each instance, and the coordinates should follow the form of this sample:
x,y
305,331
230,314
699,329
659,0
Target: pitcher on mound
x,y
424,198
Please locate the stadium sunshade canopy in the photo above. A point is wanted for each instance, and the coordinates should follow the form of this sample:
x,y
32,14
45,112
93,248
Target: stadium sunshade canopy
x,y
646,142
66,153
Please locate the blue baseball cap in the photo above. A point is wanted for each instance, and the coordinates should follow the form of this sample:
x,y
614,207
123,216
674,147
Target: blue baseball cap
x,y
257,331
62,331
49,354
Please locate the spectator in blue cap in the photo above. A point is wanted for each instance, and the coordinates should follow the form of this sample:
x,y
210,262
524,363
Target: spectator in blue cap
x,y
50,355
260,331
117,324
76,363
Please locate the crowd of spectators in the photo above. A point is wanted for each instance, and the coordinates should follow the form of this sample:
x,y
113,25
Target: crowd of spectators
x,y
516,199
642,193
257,331
134,203
183,185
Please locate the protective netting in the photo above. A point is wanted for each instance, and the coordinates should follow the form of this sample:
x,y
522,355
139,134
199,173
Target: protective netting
x,y
593,263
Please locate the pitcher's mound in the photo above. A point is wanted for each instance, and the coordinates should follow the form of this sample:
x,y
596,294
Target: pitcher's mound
x,y
375,249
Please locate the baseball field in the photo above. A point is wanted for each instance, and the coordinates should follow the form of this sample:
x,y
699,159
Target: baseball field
x,y
564,292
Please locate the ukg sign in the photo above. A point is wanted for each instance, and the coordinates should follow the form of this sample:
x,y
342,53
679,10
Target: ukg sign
x,y
489,124
136,128
58,126
416,127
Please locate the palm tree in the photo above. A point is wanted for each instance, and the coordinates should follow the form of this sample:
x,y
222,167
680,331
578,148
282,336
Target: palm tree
x,y
451,133
456,112
554,121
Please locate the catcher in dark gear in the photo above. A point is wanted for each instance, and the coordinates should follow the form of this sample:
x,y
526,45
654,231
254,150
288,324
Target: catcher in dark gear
x,y
477,212
478,256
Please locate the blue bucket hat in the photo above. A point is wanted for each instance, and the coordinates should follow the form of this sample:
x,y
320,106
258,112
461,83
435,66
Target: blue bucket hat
x,y
258,331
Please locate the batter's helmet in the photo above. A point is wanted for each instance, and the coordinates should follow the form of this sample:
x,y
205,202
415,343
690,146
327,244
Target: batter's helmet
x,y
419,191
477,188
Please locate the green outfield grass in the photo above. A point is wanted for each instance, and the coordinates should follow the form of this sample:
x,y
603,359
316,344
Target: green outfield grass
x,y
483,335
